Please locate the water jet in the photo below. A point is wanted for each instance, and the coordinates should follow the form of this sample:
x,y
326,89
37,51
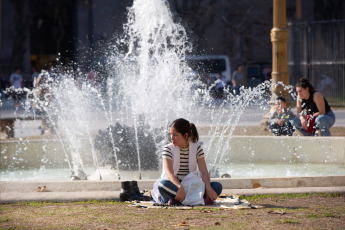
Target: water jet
x,y
148,85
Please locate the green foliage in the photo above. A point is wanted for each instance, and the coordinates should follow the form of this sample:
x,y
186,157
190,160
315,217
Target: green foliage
x,y
288,221
312,216
331,215
124,138
93,201
41,203
289,196
206,209
5,220
110,202
257,197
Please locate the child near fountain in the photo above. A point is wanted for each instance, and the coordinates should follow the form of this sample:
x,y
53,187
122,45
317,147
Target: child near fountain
x,y
279,122
180,159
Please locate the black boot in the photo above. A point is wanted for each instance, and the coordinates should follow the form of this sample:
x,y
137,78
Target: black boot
x,y
137,191
127,192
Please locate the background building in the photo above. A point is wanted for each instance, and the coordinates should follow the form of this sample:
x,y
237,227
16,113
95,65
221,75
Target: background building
x,y
34,33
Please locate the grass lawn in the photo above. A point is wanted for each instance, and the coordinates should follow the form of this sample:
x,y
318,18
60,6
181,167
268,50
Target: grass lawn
x,y
288,211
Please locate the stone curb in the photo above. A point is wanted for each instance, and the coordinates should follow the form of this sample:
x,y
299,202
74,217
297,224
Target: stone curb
x,y
17,197
228,183
68,191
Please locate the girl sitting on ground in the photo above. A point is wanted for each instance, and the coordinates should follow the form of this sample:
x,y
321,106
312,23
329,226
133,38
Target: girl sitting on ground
x,y
180,158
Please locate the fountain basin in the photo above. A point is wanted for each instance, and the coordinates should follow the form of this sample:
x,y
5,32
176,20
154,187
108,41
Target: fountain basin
x,y
272,149
249,156
34,153
243,149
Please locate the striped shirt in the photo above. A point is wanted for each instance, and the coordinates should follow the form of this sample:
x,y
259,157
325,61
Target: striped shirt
x,y
184,156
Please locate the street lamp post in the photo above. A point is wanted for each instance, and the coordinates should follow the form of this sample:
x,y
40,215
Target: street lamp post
x,y
279,38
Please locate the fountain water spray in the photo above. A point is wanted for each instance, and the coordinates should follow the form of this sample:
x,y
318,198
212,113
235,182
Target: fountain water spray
x,y
148,85
148,78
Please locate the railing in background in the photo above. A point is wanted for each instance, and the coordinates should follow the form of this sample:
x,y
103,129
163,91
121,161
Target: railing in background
x,y
316,50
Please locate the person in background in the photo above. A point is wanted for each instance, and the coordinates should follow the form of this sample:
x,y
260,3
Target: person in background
x,y
16,80
183,156
313,110
3,86
279,122
237,79
220,85
34,76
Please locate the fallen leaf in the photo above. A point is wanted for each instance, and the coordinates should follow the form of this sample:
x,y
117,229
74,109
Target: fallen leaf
x,y
206,211
183,223
256,185
277,212
44,189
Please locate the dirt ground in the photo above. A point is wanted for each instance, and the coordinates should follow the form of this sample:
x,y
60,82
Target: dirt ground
x,y
289,211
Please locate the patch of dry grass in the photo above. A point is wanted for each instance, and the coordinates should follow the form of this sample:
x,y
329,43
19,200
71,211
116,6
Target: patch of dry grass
x,y
306,211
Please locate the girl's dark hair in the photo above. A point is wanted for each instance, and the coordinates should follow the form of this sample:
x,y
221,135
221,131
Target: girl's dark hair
x,y
183,126
304,83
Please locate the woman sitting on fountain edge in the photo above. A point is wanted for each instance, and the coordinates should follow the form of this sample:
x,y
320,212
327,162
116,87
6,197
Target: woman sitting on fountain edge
x,y
313,110
180,158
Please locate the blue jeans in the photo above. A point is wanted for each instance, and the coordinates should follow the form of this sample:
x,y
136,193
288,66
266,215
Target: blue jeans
x,y
286,129
168,190
322,122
